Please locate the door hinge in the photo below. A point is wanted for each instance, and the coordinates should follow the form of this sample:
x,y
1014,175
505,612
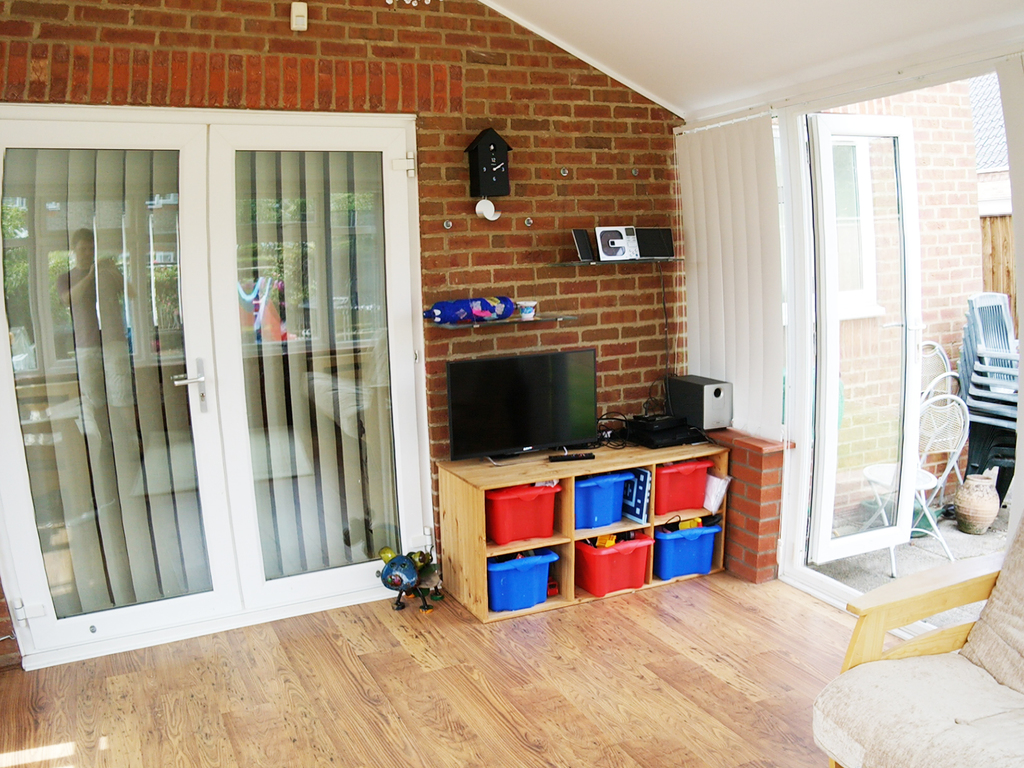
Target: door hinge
x,y
21,613
407,164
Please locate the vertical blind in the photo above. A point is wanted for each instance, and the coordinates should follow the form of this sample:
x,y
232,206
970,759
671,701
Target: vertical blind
x,y
311,285
734,296
91,291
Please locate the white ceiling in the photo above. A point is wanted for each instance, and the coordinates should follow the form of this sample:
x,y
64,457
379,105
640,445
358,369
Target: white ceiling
x,y
704,58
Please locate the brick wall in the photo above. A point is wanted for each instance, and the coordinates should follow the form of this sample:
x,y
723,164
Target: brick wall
x,y
754,507
460,67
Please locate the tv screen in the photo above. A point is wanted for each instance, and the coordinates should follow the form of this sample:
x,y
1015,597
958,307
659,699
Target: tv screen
x,y
506,405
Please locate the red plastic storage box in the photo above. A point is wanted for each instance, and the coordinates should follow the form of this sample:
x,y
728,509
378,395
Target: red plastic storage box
x,y
609,569
520,512
680,486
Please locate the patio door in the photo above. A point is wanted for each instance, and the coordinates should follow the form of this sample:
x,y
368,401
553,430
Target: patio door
x,y
209,433
868,310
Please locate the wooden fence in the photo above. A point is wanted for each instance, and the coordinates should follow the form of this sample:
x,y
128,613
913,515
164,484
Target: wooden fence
x,y
997,258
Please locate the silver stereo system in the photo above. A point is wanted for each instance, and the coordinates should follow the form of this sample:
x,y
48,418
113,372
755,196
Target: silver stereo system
x,y
617,244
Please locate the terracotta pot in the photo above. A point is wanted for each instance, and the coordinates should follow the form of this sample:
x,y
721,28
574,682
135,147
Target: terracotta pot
x,y
976,504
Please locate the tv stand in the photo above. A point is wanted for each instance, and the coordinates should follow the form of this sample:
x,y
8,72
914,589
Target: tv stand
x,y
464,545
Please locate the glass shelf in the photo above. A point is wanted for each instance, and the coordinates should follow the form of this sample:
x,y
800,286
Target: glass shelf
x,y
623,261
507,321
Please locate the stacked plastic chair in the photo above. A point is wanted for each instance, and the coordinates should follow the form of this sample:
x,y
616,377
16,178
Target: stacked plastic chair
x,y
989,383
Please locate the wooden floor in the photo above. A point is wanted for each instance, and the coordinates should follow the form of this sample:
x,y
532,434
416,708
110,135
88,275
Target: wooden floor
x,y
707,673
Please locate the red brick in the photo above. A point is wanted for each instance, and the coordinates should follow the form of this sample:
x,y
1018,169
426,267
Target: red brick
x,y
289,82
375,86
307,85
217,81
253,81
178,89
120,76
324,84
235,81
53,11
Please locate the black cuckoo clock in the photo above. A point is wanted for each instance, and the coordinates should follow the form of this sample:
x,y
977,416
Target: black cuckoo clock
x,y
488,165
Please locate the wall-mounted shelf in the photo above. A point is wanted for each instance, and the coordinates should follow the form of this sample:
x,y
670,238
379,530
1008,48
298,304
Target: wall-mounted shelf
x,y
623,261
508,321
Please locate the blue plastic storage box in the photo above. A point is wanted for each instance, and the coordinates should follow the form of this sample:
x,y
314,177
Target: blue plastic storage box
x,y
520,582
599,499
680,553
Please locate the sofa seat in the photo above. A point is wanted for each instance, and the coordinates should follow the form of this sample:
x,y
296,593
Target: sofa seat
x,y
933,711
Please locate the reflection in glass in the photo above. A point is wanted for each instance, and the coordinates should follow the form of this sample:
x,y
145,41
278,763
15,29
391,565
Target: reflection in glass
x,y
91,290
315,354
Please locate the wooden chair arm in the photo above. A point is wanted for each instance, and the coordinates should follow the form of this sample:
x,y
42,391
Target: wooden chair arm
x,y
917,597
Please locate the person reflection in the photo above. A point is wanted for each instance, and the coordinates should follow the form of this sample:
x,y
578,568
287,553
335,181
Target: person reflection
x,y
94,291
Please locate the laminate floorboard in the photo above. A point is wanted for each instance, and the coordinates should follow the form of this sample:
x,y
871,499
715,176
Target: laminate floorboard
x,y
707,673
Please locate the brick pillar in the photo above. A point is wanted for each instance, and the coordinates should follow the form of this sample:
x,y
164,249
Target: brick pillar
x,y
9,654
755,505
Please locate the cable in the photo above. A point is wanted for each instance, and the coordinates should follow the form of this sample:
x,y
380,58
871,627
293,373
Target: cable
x,y
653,404
664,311
611,441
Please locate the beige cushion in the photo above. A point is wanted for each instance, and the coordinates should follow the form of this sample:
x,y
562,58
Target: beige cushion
x,y
997,640
925,712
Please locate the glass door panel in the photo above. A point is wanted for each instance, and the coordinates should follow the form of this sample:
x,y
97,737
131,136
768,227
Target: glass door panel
x,y
311,290
868,312
92,298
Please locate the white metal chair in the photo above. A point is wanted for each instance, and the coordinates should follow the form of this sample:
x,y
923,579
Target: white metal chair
x,y
944,425
947,383
934,363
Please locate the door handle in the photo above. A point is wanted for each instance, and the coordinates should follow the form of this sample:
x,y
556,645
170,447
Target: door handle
x,y
900,325
199,380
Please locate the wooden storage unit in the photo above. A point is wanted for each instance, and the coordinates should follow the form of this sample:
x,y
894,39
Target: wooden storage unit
x,y
464,545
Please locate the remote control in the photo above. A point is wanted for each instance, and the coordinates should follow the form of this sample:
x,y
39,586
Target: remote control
x,y
571,457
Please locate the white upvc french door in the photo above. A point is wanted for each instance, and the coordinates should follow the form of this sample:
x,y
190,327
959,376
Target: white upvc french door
x,y
95,494
210,369
324,461
868,321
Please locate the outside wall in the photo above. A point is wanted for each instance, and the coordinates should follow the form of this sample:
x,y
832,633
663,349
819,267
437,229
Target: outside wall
x,y
460,67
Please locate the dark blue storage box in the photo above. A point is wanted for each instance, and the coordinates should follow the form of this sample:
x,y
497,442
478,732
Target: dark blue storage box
x,y
519,583
679,553
599,499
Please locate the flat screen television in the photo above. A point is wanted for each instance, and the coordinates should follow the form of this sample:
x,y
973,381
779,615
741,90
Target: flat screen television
x,y
501,406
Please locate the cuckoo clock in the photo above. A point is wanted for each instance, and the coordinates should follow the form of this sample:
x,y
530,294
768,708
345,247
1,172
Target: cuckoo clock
x,y
488,165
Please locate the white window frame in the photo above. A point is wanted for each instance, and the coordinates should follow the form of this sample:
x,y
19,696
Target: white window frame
x,y
863,302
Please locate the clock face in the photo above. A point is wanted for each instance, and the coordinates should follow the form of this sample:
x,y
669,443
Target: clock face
x,y
489,169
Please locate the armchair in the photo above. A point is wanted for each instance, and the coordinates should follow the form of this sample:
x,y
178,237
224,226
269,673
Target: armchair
x,y
950,697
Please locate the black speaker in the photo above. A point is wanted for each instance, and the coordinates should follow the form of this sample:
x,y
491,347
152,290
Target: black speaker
x,y
655,243
583,247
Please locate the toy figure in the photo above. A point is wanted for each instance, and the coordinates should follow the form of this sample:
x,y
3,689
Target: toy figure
x,y
414,574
